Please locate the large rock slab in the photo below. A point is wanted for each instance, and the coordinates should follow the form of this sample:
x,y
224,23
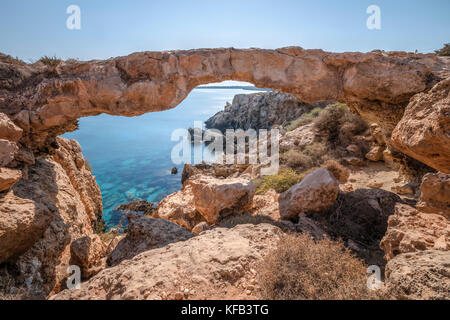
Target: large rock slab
x,y
89,253
217,264
217,198
316,192
423,275
145,234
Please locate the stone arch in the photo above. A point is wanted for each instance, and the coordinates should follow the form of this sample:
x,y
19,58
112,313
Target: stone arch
x,y
46,101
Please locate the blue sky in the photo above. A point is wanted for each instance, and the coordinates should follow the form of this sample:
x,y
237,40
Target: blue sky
x,y
31,29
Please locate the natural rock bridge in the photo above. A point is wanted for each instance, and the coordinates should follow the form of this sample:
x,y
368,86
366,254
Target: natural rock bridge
x,y
46,100
48,197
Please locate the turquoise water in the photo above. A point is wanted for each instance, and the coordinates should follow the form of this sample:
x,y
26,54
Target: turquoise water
x,y
131,157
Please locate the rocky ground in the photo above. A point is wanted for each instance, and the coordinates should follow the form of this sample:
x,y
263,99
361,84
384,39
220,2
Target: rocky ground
x,y
232,229
380,185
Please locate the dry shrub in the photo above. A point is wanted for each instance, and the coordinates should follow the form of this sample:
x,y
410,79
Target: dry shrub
x,y
338,125
279,182
297,160
340,172
302,269
50,61
317,151
445,51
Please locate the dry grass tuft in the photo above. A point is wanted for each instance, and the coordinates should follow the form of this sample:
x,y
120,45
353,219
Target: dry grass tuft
x,y
340,172
302,269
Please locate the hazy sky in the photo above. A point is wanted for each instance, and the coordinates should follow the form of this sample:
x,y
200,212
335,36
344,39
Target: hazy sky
x,y
31,29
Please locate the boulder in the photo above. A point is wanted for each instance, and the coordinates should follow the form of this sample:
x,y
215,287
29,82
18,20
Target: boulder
x,y
217,198
423,275
88,253
316,192
423,132
435,194
179,208
209,169
8,177
410,230
145,234
22,222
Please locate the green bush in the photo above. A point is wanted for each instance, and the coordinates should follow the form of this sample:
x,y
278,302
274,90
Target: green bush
x,y
280,182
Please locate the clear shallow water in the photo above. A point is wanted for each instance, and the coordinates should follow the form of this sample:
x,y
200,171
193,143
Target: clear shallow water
x,y
131,158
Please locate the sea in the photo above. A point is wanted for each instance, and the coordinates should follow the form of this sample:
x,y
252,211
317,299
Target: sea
x,y
131,156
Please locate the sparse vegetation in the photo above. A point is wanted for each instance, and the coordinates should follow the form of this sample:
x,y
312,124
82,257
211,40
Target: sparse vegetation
x,y
302,269
280,182
297,160
50,61
11,59
304,119
338,125
445,51
100,227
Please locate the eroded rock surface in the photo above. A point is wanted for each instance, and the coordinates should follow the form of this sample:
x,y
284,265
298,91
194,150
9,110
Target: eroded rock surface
x,y
424,131
89,253
55,203
410,230
435,194
213,265
217,198
145,234
423,275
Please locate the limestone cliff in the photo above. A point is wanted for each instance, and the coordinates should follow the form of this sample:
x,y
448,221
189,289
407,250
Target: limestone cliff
x,y
56,202
259,111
